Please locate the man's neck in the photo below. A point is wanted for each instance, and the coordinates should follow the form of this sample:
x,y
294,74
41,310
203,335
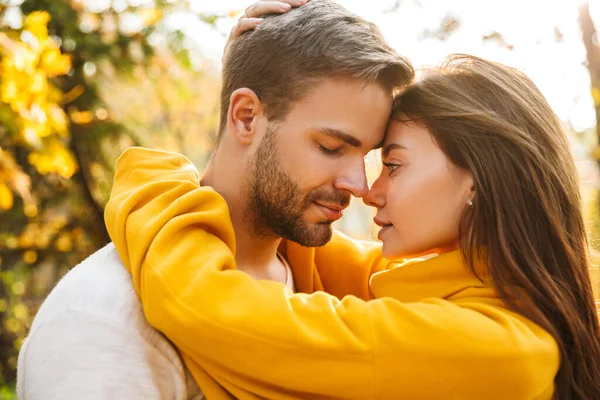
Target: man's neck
x,y
254,254
258,256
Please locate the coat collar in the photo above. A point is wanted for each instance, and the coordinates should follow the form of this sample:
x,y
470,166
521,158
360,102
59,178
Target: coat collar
x,y
438,277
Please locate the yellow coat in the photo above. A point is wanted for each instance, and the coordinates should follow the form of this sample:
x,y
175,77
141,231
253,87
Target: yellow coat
x,y
423,330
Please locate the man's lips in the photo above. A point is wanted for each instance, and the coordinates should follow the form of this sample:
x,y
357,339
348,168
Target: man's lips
x,y
332,212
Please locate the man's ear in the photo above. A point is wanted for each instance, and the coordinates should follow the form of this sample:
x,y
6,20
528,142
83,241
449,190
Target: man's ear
x,y
244,108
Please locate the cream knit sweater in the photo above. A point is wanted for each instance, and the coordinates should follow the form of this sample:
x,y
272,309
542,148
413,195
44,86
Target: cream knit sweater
x,y
90,341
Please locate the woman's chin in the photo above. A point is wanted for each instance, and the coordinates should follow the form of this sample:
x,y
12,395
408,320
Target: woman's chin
x,y
390,252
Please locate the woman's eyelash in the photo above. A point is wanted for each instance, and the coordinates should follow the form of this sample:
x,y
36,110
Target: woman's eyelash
x,y
390,166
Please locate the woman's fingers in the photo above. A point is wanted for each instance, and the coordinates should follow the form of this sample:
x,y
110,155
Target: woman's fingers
x,y
262,8
265,7
243,25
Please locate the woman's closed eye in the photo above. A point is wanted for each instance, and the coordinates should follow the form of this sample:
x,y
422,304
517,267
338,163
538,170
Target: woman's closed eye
x,y
391,166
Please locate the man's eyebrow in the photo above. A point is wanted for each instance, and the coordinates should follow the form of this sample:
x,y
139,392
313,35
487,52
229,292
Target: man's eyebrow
x,y
341,135
386,150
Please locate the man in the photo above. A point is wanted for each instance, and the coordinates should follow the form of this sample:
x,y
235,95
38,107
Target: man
x,y
304,99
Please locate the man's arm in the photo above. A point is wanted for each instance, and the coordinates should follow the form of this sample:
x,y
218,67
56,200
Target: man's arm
x,y
177,241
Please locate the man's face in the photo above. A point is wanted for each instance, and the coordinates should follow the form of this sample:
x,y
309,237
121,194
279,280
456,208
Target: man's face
x,y
306,167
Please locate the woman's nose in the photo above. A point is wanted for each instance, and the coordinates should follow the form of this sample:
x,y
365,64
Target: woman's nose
x,y
376,195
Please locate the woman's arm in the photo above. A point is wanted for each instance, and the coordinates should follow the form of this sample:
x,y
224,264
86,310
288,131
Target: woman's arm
x,y
343,266
177,241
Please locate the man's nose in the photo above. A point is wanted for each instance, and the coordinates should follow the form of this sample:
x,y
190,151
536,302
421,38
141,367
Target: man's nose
x,y
354,180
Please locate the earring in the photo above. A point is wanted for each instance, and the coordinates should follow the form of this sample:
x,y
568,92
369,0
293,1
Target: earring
x,y
470,203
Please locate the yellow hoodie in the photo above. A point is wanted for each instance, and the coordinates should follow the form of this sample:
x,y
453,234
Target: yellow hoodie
x,y
431,329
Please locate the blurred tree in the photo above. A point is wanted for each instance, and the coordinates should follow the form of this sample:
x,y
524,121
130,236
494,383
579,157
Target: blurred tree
x,y
171,107
590,40
64,67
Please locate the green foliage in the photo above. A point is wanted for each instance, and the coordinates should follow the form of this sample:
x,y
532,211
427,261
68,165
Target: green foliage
x,y
8,392
61,131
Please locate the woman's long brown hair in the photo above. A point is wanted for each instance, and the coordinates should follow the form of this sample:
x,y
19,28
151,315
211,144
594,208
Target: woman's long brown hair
x,y
527,213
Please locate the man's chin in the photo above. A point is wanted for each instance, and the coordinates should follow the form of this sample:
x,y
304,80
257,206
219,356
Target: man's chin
x,y
313,235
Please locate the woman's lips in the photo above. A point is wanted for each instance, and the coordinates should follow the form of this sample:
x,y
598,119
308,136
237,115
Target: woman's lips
x,y
385,226
383,230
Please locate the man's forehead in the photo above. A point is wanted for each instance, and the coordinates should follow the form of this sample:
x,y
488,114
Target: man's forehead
x,y
352,137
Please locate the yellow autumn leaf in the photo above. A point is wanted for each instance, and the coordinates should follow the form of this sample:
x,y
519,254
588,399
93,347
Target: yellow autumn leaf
x,y
57,119
596,153
149,16
11,242
36,23
12,325
43,130
64,243
26,240
596,96
53,63
20,311
42,241
30,209
30,135
30,256
6,197
9,91
15,91
39,83
81,117
54,96
18,288
40,162
234,13
73,94
22,58
56,158
66,162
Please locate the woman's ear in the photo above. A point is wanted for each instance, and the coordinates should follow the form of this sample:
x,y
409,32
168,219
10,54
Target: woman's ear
x,y
468,188
244,108
471,196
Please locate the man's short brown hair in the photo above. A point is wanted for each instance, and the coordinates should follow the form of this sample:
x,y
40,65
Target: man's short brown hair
x,y
288,54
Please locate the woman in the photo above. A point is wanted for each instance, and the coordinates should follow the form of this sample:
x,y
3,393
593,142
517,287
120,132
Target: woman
x,y
477,170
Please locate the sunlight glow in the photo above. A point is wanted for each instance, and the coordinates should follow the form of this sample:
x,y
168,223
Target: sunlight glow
x,y
541,38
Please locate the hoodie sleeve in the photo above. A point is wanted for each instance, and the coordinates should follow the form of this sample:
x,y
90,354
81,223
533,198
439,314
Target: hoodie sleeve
x,y
176,240
343,266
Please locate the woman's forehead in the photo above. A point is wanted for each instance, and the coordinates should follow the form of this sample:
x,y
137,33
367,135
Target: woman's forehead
x,y
406,134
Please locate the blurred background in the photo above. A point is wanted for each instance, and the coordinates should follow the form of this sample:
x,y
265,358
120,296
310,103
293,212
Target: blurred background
x,y
82,80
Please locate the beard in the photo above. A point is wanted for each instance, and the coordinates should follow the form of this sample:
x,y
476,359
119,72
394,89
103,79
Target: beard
x,y
276,203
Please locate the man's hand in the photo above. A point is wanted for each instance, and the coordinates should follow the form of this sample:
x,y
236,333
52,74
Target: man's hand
x,y
252,16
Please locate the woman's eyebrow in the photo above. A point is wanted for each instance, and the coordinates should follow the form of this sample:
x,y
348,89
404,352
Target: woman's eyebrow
x,y
386,149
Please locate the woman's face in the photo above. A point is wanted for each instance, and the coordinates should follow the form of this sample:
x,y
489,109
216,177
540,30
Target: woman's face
x,y
420,195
